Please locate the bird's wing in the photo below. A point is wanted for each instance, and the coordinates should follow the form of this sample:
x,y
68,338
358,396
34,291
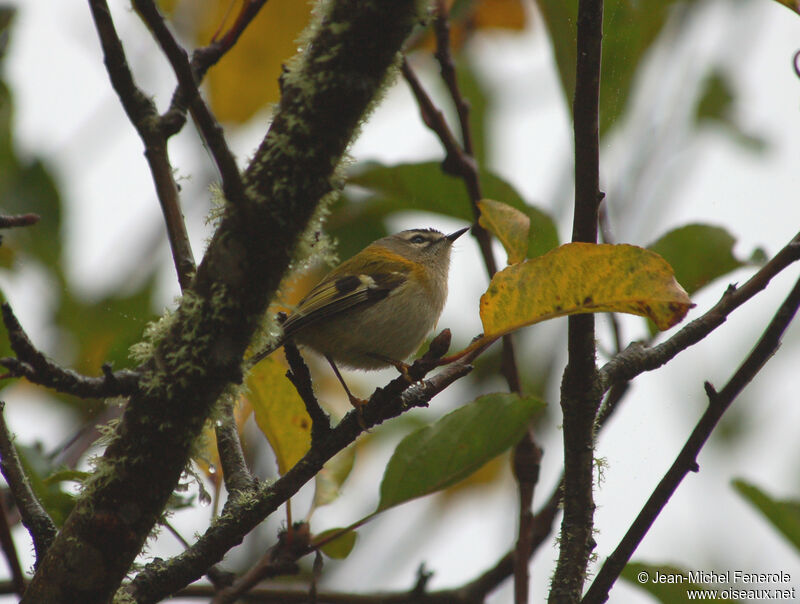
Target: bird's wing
x,y
333,296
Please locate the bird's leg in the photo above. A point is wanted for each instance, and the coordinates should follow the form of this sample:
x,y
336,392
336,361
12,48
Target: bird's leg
x,y
358,403
354,400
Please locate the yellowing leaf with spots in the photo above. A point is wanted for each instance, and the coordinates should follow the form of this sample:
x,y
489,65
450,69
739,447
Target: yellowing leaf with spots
x,y
280,412
509,225
583,278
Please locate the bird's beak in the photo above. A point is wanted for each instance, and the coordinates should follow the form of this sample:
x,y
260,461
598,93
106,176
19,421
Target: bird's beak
x,y
456,234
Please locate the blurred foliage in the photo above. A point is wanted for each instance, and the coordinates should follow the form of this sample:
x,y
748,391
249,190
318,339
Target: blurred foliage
x,y
699,253
40,470
716,106
629,30
424,187
246,80
783,515
329,480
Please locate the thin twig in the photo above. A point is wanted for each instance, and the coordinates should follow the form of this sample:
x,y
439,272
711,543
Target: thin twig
x,y
18,220
441,27
37,368
204,58
207,124
456,162
686,461
143,115
540,528
34,517
10,551
300,377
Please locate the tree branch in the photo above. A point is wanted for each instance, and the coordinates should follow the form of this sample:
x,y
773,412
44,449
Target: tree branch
x,y
686,461
325,95
580,392
300,377
39,525
38,369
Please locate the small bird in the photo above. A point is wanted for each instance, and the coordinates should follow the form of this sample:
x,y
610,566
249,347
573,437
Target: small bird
x,y
374,309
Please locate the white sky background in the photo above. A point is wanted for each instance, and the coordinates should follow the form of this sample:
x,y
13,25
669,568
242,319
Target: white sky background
x,y
66,112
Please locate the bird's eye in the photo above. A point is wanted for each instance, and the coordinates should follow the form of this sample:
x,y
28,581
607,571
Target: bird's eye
x,y
418,239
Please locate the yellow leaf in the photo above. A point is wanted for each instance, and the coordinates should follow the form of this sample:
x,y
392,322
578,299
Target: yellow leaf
x,y
509,225
280,412
583,278
246,79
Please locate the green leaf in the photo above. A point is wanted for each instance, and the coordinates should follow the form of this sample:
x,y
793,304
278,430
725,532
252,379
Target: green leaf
x,y
27,186
424,187
340,547
669,584
57,502
105,329
784,515
699,253
716,98
457,445
714,106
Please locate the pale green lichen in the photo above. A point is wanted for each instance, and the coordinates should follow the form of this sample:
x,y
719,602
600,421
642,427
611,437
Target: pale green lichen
x,y
218,205
154,332
123,596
